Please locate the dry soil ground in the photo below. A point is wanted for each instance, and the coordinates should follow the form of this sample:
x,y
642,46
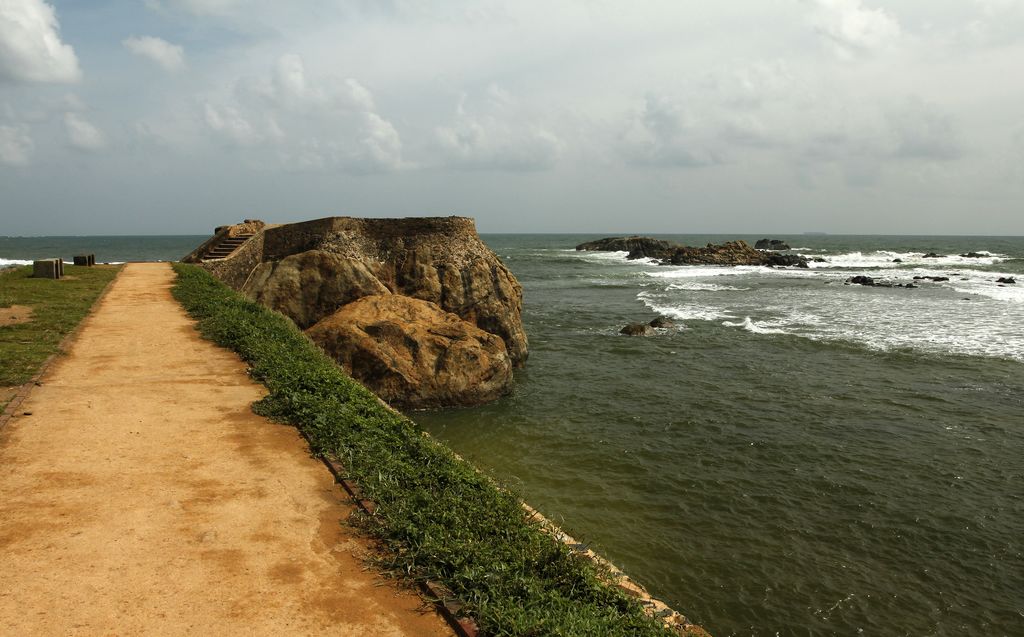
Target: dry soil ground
x,y
142,496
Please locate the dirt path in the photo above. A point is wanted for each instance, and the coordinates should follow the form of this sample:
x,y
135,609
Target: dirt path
x,y
142,496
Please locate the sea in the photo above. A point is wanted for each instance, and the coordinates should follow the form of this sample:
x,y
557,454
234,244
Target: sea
x,y
796,456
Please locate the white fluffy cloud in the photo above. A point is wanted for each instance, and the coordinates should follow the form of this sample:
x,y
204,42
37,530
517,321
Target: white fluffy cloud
x,y
169,56
228,121
30,46
853,29
310,123
499,135
15,145
82,134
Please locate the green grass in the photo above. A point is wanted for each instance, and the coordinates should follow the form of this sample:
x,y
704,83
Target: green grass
x,y
57,308
436,517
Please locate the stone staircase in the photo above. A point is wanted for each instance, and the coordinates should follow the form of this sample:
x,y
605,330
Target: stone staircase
x,y
225,247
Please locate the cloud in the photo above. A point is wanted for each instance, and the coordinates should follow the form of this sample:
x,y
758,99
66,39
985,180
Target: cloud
x,y
169,56
665,133
82,134
198,7
30,46
380,144
229,122
997,22
853,29
499,135
16,145
922,132
311,123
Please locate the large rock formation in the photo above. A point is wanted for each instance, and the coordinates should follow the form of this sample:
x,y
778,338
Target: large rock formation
x,y
413,353
667,253
311,271
310,285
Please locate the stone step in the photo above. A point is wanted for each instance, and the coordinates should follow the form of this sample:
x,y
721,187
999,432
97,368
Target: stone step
x,y
226,247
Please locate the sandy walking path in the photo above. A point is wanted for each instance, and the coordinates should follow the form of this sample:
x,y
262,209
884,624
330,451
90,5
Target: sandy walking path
x,y
143,497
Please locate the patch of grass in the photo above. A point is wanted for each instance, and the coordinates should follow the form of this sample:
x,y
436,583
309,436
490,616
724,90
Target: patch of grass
x,y
57,308
436,517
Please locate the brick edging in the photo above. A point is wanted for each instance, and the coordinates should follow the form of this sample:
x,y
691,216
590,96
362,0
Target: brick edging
x,y
444,602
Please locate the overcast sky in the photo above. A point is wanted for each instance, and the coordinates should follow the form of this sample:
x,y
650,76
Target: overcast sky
x,y
674,116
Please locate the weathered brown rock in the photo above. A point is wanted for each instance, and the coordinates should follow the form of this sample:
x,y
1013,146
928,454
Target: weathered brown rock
x,y
729,253
310,270
414,354
437,259
308,286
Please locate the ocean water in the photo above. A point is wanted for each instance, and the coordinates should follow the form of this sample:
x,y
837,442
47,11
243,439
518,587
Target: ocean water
x,y
108,249
796,457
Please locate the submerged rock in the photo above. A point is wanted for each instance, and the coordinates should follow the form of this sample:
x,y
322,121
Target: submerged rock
x,y
1006,279
637,329
931,255
861,280
413,354
973,255
662,322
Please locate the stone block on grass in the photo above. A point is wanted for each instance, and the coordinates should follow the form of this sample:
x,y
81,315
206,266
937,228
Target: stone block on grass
x,y
47,269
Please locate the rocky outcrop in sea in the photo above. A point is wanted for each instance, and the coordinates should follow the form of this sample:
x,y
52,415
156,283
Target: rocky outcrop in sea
x,y
668,253
771,244
418,309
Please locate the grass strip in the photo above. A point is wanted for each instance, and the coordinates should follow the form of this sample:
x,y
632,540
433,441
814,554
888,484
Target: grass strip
x,y
436,517
58,306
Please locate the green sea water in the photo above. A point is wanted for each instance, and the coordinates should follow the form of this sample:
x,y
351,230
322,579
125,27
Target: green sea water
x,y
798,456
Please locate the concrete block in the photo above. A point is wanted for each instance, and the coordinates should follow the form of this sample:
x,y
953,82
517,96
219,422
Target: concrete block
x,y
85,259
48,269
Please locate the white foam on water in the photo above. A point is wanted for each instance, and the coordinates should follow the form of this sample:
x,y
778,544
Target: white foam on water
x,y
754,326
695,286
885,258
988,287
701,271
605,258
933,318
682,311
7,262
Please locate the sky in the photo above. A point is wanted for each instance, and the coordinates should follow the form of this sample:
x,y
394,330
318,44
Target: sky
x,y
647,116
